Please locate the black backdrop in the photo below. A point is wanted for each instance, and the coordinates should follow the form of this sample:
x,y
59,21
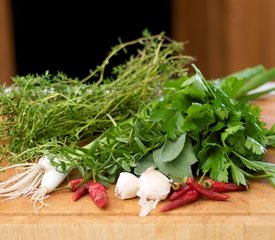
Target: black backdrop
x,y
75,36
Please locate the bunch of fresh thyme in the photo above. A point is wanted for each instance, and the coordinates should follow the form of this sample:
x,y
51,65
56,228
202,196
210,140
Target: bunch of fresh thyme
x,y
41,113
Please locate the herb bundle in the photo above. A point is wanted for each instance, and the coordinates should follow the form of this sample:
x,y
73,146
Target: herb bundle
x,y
40,113
228,140
196,127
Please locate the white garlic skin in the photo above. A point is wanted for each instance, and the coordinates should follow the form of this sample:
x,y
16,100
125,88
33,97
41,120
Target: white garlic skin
x,y
153,185
126,186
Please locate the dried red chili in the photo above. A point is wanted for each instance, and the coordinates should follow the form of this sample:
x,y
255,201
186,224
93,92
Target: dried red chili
x,y
222,186
188,197
98,193
175,195
81,191
74,183
206,192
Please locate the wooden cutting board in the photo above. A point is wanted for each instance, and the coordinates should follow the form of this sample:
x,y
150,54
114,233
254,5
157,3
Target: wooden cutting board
x,y
246,215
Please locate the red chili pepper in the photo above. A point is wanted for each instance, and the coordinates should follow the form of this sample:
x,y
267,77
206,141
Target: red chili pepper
x,y
206,192
223,187
175,195
73,184
98,193
190,196
81,191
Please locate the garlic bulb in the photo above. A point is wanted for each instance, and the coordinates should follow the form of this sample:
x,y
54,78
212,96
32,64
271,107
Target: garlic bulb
x,y
153,187
126,186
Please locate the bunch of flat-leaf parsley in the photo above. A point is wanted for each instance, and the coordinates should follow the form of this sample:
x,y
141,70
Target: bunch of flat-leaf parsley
x,y
211,128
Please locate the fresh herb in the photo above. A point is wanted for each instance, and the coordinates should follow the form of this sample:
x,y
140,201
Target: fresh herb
x,y
270,137
41,113
116,150
196,127
148,113
240,84
228,137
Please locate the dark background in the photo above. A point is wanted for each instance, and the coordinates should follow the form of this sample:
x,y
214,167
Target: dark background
x,y
75,36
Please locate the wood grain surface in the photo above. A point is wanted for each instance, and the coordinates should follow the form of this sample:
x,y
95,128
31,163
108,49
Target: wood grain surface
x,y
246,215
7,43
225,36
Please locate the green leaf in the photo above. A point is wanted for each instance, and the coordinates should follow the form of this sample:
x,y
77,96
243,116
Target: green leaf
x,y
231,85
270,137
174,85
236,141
218,126
63,166
271,180
199,117
256,81
146,33
103,180
125,166
221,111
256,147
173,125
229,131
123,140
270,141
140,145
112,169
81,170
271,130
238,175
216,164
255,95
266,166
194,87
248,72
170,149
249,164
180,167
160,114
144,163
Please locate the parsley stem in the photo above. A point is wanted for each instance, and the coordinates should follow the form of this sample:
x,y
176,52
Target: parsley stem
x,y
267,175
208,87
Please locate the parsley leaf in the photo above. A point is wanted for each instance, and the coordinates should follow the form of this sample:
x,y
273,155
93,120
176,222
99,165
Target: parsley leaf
x,y
256,147
217,164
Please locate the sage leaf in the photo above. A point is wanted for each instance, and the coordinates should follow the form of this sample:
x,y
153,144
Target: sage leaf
x,y
170,149
144,163
180,167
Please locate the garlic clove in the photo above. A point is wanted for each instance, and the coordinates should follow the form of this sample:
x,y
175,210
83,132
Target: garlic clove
x,y
153,187
126,186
